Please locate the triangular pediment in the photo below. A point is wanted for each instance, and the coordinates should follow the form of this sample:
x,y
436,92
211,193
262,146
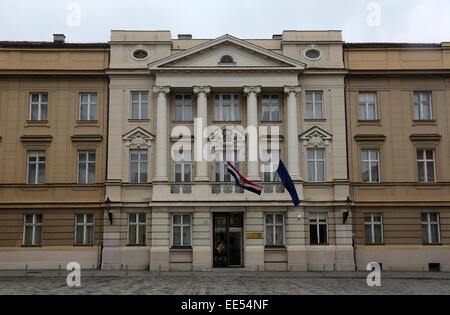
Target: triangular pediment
x,y
138,138
316,137
227,52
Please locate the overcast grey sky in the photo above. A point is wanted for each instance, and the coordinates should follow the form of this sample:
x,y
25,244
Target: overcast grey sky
x,y
360,20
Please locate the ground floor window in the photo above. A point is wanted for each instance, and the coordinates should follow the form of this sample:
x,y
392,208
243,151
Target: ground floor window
x,y
84,229
318,228
274,229
32,230
181,230
136,229
374,228
430,228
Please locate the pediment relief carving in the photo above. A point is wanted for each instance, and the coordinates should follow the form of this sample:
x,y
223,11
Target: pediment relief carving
x,y
138,138
316,138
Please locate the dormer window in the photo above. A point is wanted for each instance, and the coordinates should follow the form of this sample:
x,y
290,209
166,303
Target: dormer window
x,y
227,59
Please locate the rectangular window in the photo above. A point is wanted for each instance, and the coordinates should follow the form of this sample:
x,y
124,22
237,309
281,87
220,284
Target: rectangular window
x,y
137,229
32,230
222,157
181,230
139,166
314,105
368,106
371,166
427,166
84,229
226,107
430,228
36,167
183,107
86,167
374,228
88,106
316,165
274,229
38,106
271,160
318,228
270,108
422,106
183,166
139,105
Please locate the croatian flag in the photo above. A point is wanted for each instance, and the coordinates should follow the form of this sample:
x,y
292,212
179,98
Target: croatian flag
x,y
243,182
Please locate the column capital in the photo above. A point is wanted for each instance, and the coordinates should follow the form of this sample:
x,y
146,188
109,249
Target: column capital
x,y
161,89
202,89
252,89
292,89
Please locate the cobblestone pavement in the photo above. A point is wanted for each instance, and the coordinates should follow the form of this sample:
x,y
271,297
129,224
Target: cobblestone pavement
x,y
227,285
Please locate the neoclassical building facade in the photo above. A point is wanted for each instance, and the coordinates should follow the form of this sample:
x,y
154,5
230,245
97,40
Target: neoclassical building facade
x,y
170,209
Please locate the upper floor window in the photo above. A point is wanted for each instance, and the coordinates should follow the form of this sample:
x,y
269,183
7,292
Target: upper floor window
x,y
183,166
274,229
32,230
318,228
226,59
88,106
84,229
139,166
316,165
222,157
271,162
368,106
139,105
374,228
226,107
38,106
86,167
270,108
183,107
36,167
430,228
137,229
427,166
371,166
422,106
314,105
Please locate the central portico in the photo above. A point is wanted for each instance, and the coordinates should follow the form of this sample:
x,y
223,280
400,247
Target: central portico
x,y
185,211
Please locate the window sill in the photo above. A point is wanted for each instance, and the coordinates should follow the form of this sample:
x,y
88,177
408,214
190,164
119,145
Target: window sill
x,y
181,248
376,122
182,121
375,245
315,120
318,245
83,246
88,123
431,122
227,121
271,121
275,247
430,245
31,246
37,123
137,245
138,120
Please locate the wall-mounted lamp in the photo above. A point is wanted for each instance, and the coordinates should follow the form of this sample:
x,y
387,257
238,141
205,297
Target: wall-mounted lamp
x,y
108,210
349,208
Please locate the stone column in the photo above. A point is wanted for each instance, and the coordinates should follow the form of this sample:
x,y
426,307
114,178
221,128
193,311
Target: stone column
x,y
292,132
161,132
252,127
202,113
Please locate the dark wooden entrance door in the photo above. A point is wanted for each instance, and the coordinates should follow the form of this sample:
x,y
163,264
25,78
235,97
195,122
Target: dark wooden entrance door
x,y
228,240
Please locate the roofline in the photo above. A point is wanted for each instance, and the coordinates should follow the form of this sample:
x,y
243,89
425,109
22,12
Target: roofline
x,y
27,44
392,45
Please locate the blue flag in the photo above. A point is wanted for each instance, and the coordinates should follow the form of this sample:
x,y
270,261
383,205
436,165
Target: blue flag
x,y
288,183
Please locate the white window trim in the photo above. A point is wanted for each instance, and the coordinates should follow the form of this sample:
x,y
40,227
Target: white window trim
x,y
33,232
140,101
426,161
421,103
87,162
139,162
370,161
85,225
271,103
181,225
39,103
273,226
37,166
371,225
318,224
183,162
316,160
224,163
233,106
315,112
138,227
429,223
183,105
89,104
366,99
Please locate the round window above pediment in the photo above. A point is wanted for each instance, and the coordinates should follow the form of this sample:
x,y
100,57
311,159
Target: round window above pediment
x,y
313,54
140,54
